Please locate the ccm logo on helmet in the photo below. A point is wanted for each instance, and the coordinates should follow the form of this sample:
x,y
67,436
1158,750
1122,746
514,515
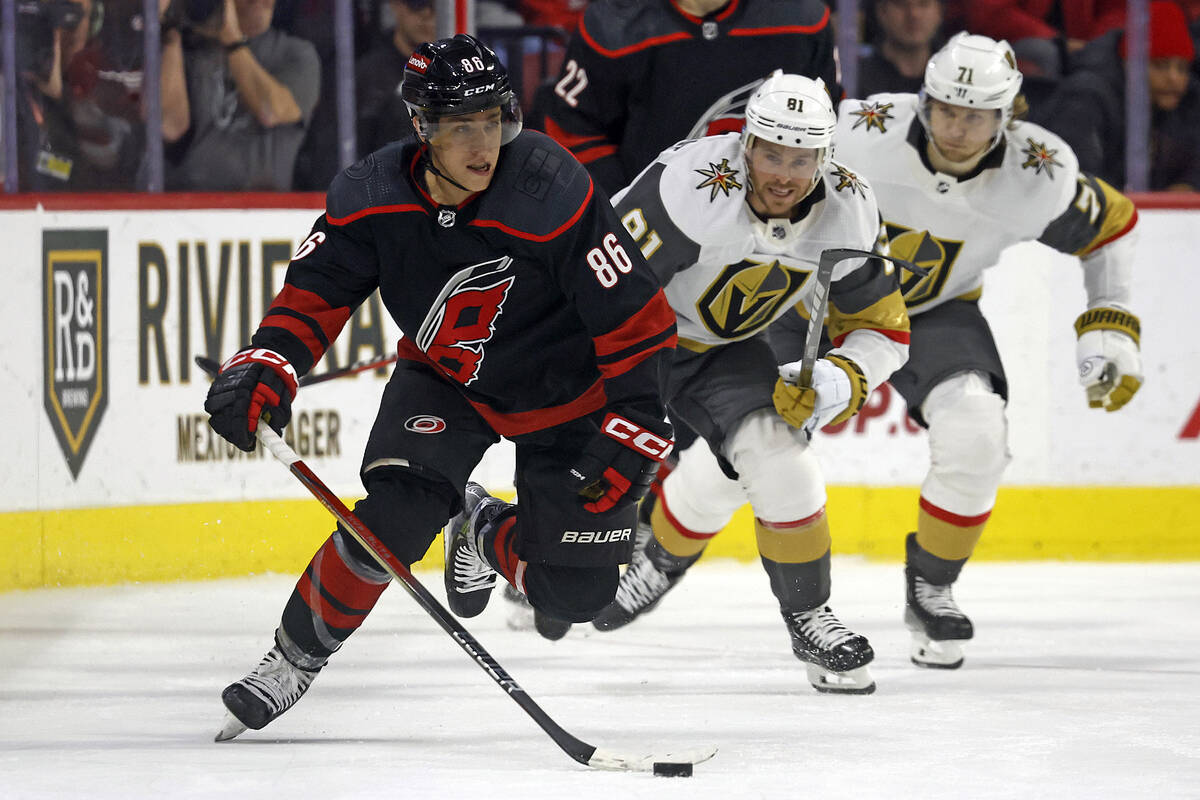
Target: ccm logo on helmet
x,y
479,90
636,437
596,537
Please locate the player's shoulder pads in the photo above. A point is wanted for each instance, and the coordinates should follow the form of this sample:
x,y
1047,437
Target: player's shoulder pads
x,y
379,179
812,15
616,27
1040,156
539,189
876,116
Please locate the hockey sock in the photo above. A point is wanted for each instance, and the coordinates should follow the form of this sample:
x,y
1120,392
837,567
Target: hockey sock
x,y
796,557
497,545
944,541
331,600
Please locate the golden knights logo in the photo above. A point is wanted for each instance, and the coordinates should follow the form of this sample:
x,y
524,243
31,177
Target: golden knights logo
x,y
1039,157
873,115
75,348
925,250
848,180
747,295
721,178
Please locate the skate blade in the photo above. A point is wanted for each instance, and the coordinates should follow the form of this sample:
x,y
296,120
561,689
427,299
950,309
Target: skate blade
x,y
853,681
520,613
933,654
231,728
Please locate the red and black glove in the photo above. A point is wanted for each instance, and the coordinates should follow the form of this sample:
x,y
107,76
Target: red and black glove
x,y
618,465
253,382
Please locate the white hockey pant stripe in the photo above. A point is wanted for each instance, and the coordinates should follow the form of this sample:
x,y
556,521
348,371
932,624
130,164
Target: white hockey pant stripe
x,y
968,444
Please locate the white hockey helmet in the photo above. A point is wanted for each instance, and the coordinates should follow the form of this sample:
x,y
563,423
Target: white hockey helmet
x,y
793,111
974,72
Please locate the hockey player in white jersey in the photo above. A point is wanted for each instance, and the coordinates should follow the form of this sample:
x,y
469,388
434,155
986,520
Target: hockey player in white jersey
x,y
959,178
734,226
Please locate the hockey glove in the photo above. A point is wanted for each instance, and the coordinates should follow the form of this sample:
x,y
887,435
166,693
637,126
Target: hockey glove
x,y
618,465
254,382
838,391
1110,363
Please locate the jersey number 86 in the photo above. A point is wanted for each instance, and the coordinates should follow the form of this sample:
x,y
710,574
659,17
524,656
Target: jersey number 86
x,y
608,262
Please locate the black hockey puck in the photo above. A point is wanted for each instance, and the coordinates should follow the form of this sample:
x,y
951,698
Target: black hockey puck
x,y
673,769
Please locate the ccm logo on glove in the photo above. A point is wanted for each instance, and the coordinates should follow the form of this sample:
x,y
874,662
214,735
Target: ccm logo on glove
x,y
637,438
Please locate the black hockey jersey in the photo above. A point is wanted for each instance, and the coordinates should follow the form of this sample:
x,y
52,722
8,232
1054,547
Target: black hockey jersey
x,y
529,296
640,75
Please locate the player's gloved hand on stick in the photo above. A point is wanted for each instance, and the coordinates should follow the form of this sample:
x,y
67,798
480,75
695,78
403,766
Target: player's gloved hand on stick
x,y
619,463
1110,362
838,391
251,382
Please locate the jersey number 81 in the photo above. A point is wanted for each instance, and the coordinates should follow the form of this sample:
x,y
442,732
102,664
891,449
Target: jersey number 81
x,y
608,262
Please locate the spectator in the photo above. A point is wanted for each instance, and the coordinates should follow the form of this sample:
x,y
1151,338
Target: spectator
x,y
906,35
639,77
1041,30
48,37
382,116
1088,111
319,158
565,14
251,90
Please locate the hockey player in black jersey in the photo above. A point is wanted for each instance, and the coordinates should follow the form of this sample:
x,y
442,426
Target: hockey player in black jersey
x,y
527,313
640,75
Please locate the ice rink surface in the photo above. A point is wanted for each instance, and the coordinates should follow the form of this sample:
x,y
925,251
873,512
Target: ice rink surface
x,y
1083,682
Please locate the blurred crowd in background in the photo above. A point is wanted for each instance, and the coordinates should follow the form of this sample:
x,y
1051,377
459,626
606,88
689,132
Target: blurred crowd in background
x,y
249,91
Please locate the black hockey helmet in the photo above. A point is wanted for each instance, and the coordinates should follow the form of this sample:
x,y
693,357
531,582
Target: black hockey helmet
x,y
459,75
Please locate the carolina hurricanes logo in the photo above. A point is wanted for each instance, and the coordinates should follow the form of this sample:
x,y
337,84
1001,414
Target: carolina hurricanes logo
x,y
463,319
425,423
1038,156
721,178
873,115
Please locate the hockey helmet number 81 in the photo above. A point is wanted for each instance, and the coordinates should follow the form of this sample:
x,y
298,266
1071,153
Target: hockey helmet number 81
x,y
456,76
793,111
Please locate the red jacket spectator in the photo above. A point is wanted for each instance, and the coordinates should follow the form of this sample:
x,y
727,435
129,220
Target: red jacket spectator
x,y
1014,20
563,13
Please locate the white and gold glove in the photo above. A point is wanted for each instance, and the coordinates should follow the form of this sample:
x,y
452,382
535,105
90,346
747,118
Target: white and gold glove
x,y
838,391
1110,363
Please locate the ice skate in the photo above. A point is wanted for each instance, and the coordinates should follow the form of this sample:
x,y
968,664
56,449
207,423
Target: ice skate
x,y
938,625
270,689
522,617
520,613
469,578
835,656
642,586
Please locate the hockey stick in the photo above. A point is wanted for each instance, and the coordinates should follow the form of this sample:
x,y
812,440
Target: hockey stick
x,y
820,304
210,366
577,749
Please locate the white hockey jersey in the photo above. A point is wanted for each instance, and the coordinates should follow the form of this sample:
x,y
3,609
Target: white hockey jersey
x,y
1029,188
728,274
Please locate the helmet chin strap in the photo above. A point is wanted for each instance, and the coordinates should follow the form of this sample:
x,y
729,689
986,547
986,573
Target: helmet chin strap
x,y
427,157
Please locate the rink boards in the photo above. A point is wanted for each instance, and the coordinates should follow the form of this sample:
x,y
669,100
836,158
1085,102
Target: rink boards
x,y
111,473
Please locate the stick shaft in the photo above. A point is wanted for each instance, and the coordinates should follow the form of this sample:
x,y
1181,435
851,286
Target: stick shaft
x,y
575,748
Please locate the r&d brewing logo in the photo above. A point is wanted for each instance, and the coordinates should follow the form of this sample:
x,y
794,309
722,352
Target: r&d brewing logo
x,y
75,349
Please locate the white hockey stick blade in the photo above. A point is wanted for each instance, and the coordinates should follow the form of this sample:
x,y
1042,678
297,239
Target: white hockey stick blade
x,y
231,728
610,760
